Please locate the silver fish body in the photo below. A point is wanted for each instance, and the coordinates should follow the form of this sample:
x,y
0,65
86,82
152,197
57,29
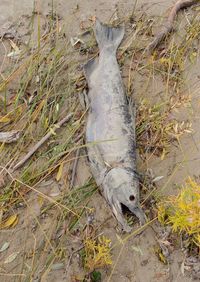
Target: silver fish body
x,y
110,132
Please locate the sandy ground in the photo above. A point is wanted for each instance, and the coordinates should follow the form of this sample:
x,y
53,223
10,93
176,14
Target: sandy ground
x,y
129,264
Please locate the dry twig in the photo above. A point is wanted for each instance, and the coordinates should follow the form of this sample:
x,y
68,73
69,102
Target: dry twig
x,y
168,26
9,136
42,141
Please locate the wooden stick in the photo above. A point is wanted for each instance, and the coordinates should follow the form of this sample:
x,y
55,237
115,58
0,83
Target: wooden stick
x,y
41,142
168,26
9,136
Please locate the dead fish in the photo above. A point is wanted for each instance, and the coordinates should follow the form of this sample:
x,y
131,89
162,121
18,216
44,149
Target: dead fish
x,y
110,130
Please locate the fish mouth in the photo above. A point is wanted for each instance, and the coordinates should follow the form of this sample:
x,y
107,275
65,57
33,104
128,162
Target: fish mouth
x,y
137,211
119,209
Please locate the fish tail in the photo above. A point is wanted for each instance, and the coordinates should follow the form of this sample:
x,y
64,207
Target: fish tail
x,y
108,37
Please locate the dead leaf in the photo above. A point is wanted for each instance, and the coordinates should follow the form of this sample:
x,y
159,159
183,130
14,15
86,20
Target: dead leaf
x,y
57,266
40,201
15,223
54,194
188,130
164,242
9,136
158,178
183,268
14,46
4,119
163,154
160,255
14,54
60,171
37,79
4,247
10,222
37,111
162,258
75,41
16,49
11,257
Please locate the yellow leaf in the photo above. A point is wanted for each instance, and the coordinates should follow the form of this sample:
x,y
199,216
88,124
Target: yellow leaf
x,y
15,222
1,149
11,221
40,200
163,154
11,257
4,119
59,174
160,255
37,111
14,46
46,123
162,258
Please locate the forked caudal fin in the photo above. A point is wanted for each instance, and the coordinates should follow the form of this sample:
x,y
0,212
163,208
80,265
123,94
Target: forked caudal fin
x,y
108,37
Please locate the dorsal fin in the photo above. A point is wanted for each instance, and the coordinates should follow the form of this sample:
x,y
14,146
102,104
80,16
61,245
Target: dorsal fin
x,y
89,67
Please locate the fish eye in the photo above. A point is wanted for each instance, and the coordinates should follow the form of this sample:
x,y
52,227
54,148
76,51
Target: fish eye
x,y
132,198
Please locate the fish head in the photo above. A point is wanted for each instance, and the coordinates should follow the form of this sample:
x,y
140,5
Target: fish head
x,y
121,189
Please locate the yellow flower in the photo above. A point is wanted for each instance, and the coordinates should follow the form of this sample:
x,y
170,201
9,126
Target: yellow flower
x,y
97,253
182,212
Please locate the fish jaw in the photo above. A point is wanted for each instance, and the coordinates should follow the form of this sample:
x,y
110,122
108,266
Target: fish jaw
x,y
119,189
116,206
138,212
117,211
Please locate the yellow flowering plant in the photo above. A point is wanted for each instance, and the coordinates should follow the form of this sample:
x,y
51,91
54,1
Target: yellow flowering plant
x,y
182,212
97,253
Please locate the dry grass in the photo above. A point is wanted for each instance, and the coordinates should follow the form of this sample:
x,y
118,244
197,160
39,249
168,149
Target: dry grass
x,y
156,130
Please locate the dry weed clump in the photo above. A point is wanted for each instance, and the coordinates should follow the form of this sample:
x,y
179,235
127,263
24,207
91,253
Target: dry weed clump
x,y
182,212
97,253
173,60
156,130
